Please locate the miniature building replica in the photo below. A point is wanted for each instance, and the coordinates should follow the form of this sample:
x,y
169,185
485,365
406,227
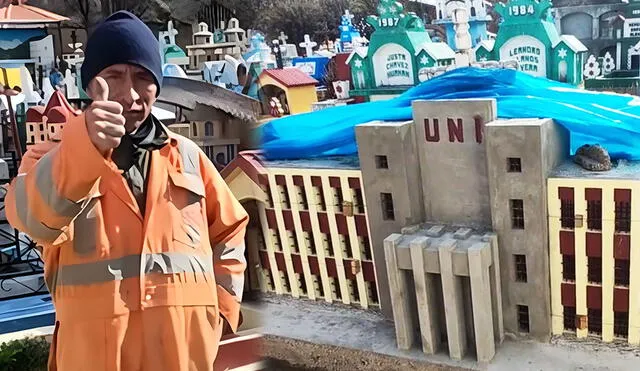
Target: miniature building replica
x,y
454,269
295,89
170,52
313,234
210,47
528,35
592,224
478,20
216,119
315,66
349,36
45,124
593,22
399,50
229,73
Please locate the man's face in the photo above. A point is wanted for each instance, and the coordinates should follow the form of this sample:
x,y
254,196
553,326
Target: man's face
x,y
134,88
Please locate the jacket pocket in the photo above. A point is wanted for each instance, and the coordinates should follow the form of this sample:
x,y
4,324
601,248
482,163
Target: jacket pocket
x,y
187,197
86,226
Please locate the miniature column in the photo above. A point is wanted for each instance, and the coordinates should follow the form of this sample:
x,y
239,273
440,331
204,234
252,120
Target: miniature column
x,y
425,296
479,256
496,287
453,301
400,294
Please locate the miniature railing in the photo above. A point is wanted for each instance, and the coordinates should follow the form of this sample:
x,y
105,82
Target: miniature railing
x,y
19,259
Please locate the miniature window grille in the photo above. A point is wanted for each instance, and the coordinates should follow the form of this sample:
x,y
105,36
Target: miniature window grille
x,y
359,200
303,203
595,321
346,247
328,246
387,206
517,214
568,267
523,318
521,268
622,272
594,215
311,247
621,324
569,316
595,269
365,247
567,214
382,162
284,197
514,165
623,217
338,199
293,241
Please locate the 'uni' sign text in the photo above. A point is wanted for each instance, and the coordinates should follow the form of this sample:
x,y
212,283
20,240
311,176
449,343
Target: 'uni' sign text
x,y
454,127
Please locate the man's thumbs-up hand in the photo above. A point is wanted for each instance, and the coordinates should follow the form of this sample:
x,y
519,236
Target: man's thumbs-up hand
x,y
105,122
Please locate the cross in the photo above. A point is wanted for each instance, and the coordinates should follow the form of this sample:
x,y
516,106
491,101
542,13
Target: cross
x,y
277,50
349,15
308,45
283,38
172,33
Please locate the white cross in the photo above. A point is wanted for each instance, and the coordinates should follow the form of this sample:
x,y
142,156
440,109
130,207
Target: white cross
x,y
283,38
172,33
308,45
348,15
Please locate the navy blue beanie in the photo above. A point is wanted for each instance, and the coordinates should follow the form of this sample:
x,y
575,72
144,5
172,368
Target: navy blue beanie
x,y
121,38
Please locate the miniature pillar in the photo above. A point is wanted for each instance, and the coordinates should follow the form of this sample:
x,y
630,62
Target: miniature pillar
x,y
426,296
400,294
481,298
453,301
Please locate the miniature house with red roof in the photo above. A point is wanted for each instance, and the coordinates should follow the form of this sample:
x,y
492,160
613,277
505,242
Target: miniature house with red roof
x,y
295,90
45,124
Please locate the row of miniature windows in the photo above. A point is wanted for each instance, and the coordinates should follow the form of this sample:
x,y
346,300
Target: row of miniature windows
x,y
594,322
594,215
622,270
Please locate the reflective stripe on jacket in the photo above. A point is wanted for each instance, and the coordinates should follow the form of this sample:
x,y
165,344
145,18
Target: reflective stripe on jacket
x,y
102,257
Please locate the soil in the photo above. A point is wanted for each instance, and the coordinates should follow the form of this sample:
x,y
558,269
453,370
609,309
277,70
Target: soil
x,y
292,355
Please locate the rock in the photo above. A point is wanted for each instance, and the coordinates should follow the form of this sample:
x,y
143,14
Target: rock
x,y
593,158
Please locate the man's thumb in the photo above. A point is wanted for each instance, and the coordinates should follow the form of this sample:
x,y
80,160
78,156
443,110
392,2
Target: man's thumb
x,y
100,89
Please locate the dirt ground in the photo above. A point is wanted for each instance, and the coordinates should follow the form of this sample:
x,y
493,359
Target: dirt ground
x,y
292,355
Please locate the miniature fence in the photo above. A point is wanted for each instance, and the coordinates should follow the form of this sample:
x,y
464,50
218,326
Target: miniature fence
x,y
315,240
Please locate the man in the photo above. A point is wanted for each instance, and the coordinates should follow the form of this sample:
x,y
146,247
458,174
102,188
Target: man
x,y
143,241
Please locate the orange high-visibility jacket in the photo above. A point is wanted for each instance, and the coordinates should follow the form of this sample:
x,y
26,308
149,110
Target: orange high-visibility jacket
x,y
103,258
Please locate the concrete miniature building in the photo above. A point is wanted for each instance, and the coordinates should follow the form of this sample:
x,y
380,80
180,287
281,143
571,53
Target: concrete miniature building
x,y
215,118
396,54
452,268
487,194
295,89
232,42
592,228
528,35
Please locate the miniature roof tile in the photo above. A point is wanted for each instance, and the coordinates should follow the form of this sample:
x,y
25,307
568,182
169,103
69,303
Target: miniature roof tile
x,y
572,42
291,77
437,51
57,111
18,13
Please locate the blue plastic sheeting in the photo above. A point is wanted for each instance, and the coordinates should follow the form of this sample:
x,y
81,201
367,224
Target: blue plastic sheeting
x,y
612,120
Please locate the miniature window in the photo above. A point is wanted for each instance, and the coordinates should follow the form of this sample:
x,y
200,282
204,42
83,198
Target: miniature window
x,y
208,128
594,215
195,129
567,214
517,214
595,321
569,316
387,206
381,162
568,267
473,11
623,216
359,200
514,165
622,272
621,324
594,269
523,318
521,268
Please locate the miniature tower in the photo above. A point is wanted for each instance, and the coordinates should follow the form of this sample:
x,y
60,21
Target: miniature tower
x,y
477,19
460,18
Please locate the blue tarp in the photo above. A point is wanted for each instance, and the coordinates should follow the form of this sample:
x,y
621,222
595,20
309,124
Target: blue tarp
x,y
612,120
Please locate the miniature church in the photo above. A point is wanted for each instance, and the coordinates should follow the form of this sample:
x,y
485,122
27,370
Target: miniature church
x,y
529,36
214,46
399,49
478,19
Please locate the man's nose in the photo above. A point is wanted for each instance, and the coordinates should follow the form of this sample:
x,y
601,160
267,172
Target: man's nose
x,y
130,93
